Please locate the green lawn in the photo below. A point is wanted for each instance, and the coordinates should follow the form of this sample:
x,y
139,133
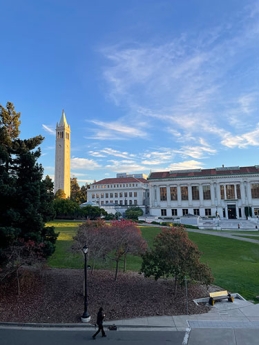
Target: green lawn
x,y
234,264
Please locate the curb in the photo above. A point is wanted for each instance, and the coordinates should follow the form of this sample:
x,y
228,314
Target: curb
x,y
74,325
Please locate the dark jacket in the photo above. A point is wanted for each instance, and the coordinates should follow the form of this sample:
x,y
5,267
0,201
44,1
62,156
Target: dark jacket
x,y
100,317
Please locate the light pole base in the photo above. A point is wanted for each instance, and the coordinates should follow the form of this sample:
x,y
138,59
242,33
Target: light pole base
x,y
86,319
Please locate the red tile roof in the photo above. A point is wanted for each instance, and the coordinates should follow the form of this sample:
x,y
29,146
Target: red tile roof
x,y
117,180
222,171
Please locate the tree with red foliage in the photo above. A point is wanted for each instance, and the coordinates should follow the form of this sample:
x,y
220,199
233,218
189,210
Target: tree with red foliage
x,y
126,238
95,234
112,241
175,255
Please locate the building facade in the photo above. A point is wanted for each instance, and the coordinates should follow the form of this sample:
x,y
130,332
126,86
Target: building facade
x,y
117,194
62,156
227,192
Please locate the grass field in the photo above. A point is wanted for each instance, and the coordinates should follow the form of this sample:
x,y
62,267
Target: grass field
x,y
234,264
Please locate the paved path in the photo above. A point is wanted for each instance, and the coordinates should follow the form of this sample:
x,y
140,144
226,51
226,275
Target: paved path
x,y
226,323
233,236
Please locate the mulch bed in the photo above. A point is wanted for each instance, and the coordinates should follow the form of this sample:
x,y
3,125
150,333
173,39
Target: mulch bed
x,y
56,296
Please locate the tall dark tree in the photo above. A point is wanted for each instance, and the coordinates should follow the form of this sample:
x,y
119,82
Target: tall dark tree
x,y
77,194
27,198
75,190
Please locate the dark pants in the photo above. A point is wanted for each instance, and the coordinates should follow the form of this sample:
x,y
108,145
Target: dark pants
x,y
100,329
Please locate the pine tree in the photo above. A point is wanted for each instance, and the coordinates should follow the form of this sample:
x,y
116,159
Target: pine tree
x,y
27,198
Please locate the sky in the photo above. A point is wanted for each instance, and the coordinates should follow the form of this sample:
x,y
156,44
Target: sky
x,y
146,85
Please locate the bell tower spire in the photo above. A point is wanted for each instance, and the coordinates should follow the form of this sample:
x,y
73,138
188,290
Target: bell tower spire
x,y
62,156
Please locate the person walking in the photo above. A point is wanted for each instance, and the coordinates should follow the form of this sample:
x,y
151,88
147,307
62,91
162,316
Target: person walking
x,y
99,321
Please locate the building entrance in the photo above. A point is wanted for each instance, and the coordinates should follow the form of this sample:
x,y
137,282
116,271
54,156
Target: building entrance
x,y
232,213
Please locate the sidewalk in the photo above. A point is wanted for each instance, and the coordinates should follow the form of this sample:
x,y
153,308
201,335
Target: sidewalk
x,y
239,314
227,323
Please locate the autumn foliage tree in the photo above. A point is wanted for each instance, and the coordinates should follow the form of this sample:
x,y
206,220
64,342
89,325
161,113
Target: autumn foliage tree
x,y
110,241
175,255
93,233
126,239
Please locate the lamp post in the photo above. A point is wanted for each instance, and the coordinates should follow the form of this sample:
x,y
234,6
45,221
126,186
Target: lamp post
x,y
85,317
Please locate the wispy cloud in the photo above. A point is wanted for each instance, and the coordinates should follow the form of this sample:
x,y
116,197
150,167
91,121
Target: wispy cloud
x,y
187,86
115,131
192,164
83,163
124,166
49,129
242,141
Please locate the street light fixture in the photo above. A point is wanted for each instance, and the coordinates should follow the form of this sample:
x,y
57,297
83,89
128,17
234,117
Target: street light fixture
x,y
85,317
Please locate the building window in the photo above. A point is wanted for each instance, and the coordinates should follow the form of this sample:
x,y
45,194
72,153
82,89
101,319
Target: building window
x,y
163,212
121,202
102,202
135,194
111,195
222,195
255,190
173,193
125,194
163,195
185,211
130,202
120,194
135,202
116,195
116,202
106,195
207,212
256,212
206,193
102,195
230,191
184,193
195,193
130,194
174,211
125,203
238,191
93,196
196,211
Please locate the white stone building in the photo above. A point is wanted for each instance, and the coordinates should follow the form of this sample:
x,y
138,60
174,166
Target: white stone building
x,y
117,194
227,192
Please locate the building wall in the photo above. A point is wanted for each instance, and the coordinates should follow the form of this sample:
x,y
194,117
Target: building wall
x,y
121,193
232,205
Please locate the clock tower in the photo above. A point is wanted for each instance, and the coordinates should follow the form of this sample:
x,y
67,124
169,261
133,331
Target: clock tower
x,y
62,156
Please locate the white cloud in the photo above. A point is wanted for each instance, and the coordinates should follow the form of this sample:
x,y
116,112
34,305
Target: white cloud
x,y
186,86
115,131
49,129
192,164
83,163
124,166
197,152
242,141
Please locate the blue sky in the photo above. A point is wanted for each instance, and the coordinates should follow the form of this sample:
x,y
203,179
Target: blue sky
x,y
146,85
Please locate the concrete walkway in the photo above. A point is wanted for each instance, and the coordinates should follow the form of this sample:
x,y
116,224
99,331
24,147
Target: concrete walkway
x,y
227,323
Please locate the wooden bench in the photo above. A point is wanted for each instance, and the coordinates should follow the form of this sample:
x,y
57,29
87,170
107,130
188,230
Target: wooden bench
x,y
219,295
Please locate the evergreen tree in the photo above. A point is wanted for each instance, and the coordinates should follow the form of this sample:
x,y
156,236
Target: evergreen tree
x,y
77,194
27,197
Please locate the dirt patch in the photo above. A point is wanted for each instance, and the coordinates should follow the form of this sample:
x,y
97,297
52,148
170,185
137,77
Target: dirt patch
x,y
56,296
